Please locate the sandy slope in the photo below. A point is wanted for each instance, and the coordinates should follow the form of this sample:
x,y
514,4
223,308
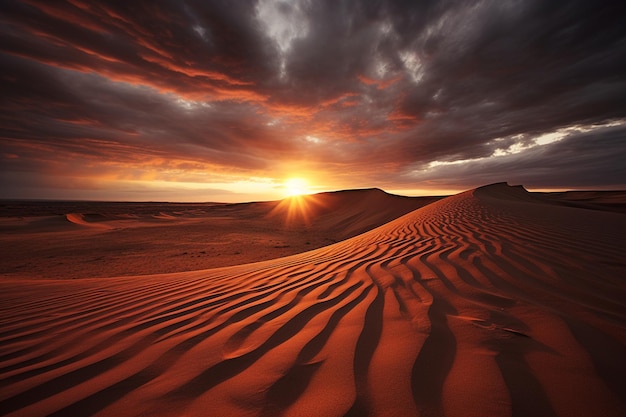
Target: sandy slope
x,y
106,239
493,302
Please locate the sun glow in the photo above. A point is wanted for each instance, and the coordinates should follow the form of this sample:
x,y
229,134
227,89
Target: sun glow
x,y
296,187
299,206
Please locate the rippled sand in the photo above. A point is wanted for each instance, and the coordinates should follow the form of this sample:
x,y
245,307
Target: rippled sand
x,y
492,302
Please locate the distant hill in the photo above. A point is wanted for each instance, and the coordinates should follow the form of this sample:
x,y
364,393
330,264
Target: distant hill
x,y
347,213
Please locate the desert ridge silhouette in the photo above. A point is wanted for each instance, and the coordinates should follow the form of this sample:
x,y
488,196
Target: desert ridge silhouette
x,y
491,302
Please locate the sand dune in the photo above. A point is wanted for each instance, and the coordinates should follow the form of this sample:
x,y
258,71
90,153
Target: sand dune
x,y
492,302
107,239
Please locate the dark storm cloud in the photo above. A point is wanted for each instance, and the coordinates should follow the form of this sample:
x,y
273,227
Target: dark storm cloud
x,y
156,43
579,160
376,88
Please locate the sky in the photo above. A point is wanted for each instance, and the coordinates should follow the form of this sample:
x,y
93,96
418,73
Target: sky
x,y
230,100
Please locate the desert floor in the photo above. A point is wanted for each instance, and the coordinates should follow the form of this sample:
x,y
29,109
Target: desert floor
x,y
492,302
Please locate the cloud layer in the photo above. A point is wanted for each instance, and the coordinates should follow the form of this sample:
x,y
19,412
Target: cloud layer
x,y
400,95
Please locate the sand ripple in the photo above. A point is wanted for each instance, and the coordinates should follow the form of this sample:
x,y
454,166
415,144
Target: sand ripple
x,y
492,302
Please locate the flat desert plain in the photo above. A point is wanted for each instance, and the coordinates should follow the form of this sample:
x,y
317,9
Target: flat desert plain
x,y
491,302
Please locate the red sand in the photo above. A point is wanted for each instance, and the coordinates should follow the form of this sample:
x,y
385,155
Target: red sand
x,y
493,302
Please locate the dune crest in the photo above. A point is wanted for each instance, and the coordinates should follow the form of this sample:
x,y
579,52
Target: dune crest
x,y
492,302
83,220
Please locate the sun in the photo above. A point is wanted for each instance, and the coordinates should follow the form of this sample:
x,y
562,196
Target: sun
x,y
296,186
298,205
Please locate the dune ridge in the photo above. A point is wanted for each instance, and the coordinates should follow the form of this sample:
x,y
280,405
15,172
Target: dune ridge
x,y
492,302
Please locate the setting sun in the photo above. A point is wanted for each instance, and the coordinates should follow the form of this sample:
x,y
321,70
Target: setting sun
x,y
296,186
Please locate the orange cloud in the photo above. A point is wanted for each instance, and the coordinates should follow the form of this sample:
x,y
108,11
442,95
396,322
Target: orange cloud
x,y
194,72
380,84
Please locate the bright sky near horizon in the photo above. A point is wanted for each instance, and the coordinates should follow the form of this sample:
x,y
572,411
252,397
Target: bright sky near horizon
x,y
228,101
